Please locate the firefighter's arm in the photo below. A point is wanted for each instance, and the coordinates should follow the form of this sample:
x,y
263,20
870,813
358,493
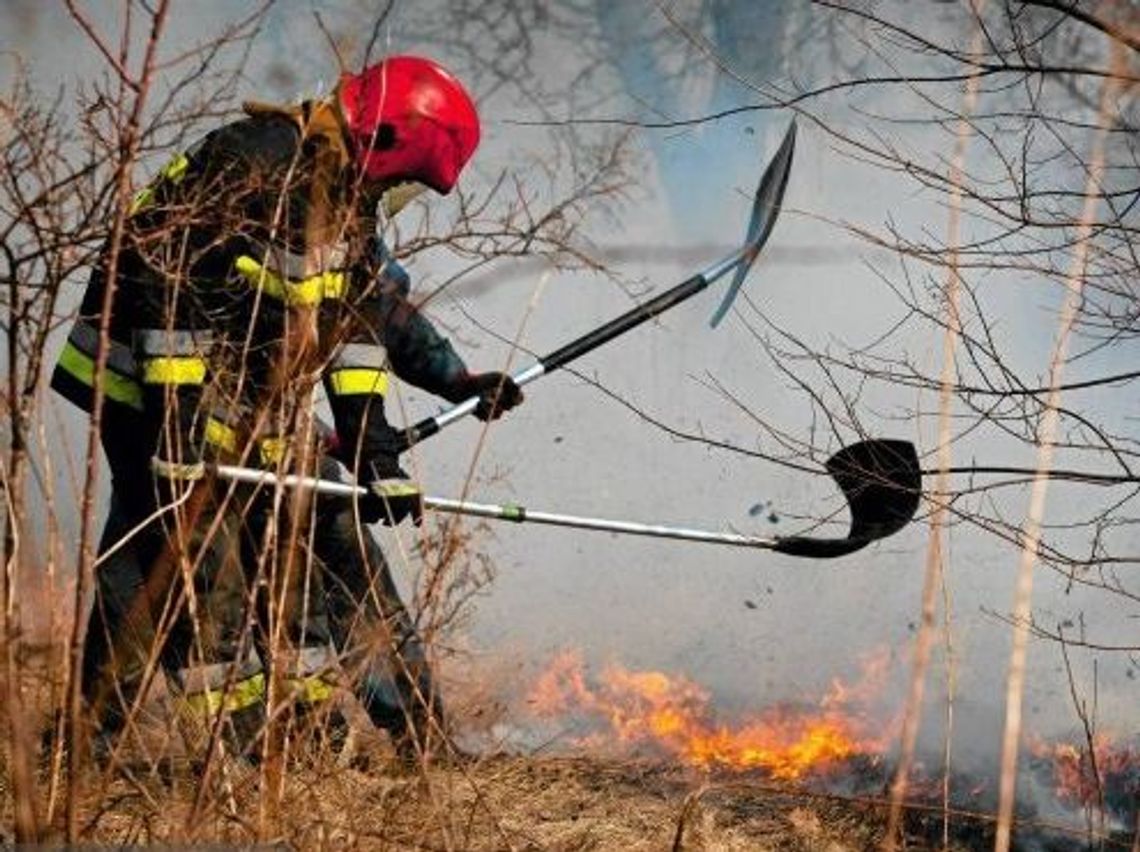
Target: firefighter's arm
x,y
425,358
356,383
420,355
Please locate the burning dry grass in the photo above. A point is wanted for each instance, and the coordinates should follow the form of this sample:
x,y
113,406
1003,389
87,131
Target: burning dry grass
x,y
674,716
1105,775
651,792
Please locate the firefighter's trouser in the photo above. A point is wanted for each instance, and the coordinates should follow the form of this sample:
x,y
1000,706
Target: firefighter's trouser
x,y
212,639
116,649
354,601
380,648
209,613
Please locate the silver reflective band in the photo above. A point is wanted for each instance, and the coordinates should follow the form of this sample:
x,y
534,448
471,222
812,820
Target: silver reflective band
x,y
309,661
164,341
85,337
356,355
174,470
199,678
287,264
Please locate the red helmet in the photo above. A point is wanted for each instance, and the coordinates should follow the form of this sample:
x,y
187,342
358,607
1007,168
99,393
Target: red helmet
x,y
409,120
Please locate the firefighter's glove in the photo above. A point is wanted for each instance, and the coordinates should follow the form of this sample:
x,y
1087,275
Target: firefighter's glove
x,y
497,393
391,497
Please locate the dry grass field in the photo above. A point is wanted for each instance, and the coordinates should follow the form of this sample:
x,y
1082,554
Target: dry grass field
x,y
595,792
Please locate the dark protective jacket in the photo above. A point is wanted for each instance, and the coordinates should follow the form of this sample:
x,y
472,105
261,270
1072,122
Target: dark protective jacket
x,y
252,261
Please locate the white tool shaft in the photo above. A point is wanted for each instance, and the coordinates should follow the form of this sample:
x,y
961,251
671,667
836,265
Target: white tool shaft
x,y
507,512
519,514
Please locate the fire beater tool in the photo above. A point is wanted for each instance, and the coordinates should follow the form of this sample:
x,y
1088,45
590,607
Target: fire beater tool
x,y
881,480
765,209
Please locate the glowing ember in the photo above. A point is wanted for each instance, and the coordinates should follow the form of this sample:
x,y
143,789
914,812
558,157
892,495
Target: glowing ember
x,y
673,716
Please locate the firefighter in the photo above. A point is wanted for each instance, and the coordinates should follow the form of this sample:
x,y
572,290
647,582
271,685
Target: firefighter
x,y
250,272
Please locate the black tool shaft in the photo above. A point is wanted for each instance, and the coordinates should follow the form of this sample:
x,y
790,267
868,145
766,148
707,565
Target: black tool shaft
x,y
620,325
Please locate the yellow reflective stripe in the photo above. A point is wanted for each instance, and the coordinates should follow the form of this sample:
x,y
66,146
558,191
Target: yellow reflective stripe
x,y
82,367
176,470
173,171
312,690
334,285
272,450
174,370
221,435
304,293
358,380
244,693
394,488
142,199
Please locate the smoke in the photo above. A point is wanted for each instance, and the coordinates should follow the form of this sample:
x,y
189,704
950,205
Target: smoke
x,y
752,629
24,18
839,742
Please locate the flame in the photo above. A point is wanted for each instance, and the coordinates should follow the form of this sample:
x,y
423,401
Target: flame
x,y
672,715
836,739
1083,775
